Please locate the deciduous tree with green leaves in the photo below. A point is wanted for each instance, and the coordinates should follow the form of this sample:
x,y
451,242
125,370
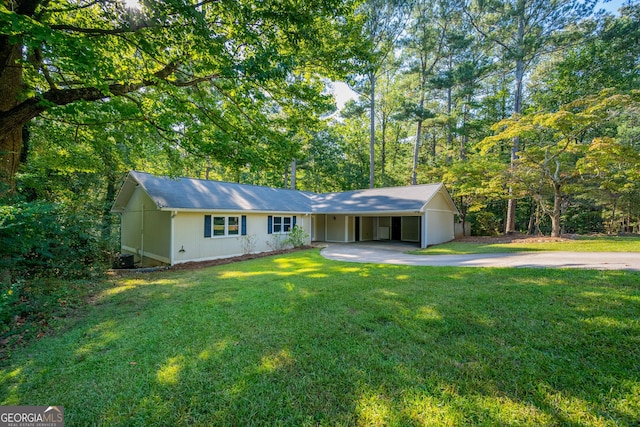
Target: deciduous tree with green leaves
x,y
473,182
611,170
524,30
384,22
232,53
554,143
606,57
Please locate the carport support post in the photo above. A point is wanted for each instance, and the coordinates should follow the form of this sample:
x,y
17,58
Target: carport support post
x,y
142,235
423,237
346,228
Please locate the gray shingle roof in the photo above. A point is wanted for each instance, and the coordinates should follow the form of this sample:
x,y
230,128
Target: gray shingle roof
x,y
198,194
412,198
205,195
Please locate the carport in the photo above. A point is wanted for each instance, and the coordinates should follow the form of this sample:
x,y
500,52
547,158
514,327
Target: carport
x,y
421,214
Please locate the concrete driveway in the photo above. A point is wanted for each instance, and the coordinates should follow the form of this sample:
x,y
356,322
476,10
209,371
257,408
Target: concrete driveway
x,y
393,253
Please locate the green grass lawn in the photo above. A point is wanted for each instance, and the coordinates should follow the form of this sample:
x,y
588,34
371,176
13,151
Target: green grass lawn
x,y
580,244
299,340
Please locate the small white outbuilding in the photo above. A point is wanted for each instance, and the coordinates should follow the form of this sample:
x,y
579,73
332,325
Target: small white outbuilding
x,y
173,221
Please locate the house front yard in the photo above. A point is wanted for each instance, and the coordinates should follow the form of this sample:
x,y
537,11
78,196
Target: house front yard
x,y
296,339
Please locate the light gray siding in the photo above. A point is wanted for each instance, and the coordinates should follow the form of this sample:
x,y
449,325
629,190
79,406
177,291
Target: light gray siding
x,y
336,228
366,228
411,228
319,222
190,243
146,231
440,227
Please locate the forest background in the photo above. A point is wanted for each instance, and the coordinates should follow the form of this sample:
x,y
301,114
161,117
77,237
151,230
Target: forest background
x,y
527,110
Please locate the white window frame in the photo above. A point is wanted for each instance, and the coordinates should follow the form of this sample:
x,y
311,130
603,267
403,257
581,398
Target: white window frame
x,y
226,226
282,224
238,224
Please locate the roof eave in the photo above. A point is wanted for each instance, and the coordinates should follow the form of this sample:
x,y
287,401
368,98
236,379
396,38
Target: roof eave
x,y
122,193
373,213
204,210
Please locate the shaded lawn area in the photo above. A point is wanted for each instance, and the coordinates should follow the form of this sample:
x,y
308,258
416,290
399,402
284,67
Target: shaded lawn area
x,y
579,244
300,340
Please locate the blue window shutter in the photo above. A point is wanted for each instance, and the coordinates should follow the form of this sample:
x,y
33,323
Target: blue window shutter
x,y
207,226
243,225
293,224
269,224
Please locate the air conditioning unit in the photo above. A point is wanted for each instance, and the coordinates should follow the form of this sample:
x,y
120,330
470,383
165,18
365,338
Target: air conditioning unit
x,y
123,261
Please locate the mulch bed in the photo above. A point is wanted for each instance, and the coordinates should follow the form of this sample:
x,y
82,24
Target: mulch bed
x,y
194,265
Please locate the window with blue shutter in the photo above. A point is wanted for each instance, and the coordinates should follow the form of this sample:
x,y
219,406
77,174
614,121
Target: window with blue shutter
x,y
219,225
280,224
207,226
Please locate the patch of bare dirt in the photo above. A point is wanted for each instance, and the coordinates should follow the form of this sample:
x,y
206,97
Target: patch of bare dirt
x,y
514,238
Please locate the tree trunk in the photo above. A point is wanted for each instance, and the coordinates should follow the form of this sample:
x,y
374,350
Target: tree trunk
x,y
107,223
463,216
557,210
532,219
434,144
510,226
613,216
465,137
208,168
416,151
10,88
372,130
449,109
286,178
383,146
10,142
416,146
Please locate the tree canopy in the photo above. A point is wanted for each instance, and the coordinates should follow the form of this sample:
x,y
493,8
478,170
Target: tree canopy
x,y
222,70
